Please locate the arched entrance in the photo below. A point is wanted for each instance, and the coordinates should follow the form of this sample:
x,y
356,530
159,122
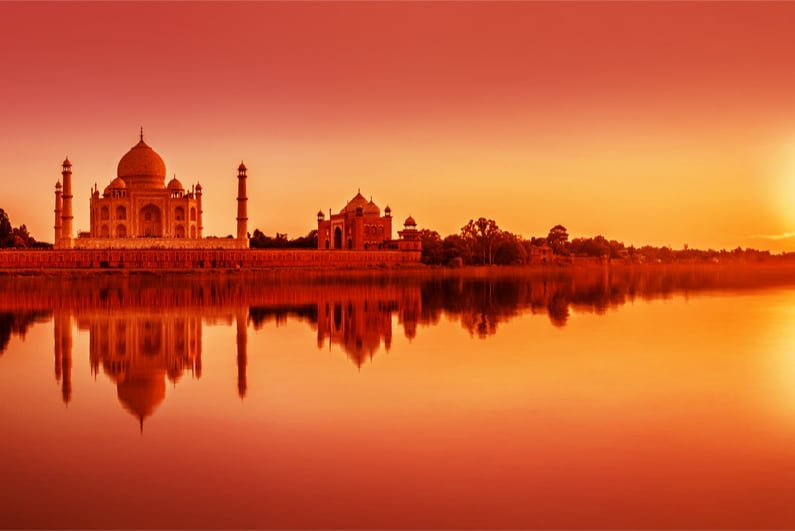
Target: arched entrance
x,y
149,222
337,238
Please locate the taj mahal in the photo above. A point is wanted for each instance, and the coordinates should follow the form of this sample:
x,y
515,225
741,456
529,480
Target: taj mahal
x,y
138,210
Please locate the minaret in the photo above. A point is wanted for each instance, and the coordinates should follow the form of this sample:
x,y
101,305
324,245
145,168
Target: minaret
x,y
199,209
56,242
66,216
242,207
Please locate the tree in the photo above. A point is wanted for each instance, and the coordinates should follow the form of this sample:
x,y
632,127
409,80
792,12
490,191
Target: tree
x,y
5,229
481,236
558,239
456,248
432,247
509,250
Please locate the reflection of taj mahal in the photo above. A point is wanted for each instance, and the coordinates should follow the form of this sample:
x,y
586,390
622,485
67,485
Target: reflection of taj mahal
x,y
139,352
138,209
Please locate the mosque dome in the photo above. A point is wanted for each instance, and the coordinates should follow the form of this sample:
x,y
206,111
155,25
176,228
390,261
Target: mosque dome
x,y
142,167
371,208
358,201
174,184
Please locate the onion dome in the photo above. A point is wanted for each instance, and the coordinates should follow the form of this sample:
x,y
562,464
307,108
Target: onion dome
x,y
357,202
242,167
58,185
198,187
116,184
142,167
66,163
372,208
174,184
410,222
320,215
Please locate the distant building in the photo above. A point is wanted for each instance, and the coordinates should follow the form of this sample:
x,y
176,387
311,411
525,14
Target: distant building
x,y
138,210
359,226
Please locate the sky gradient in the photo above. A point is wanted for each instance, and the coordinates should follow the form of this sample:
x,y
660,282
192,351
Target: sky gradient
x,y
660,123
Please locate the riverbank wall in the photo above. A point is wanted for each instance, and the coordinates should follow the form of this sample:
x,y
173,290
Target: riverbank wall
x,y
190,259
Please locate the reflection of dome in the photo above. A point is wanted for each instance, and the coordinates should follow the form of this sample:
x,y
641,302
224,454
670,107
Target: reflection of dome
x,y
142,394
174,184
141,166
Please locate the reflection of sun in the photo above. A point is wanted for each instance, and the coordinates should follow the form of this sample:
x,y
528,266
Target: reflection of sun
x,y
780,366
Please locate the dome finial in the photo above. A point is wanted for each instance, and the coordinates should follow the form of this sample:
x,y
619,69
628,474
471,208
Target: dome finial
x,y
142,133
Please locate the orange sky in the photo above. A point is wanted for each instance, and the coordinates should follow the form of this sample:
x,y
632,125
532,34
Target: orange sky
x,y
662,123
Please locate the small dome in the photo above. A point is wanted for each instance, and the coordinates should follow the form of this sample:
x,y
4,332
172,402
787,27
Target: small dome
x,y
242,167
118,182
198,187
142,166
387,209
410,222
174,184
320,214
58,185
66,163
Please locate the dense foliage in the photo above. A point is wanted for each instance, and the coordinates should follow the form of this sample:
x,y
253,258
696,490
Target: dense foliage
x,y
260,241
482,242
16,237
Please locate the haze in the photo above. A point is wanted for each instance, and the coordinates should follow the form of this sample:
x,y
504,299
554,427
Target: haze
x,y
659,123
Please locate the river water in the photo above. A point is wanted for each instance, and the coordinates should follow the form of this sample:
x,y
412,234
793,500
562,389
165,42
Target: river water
x,y
604,398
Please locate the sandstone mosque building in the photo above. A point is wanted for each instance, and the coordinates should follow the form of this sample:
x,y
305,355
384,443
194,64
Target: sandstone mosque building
x,y
139,210
139,220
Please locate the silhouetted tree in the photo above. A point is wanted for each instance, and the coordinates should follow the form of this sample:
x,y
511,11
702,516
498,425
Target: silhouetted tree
x,y
558,239
432,247
17,237
456,248
509,250
5,229
481,236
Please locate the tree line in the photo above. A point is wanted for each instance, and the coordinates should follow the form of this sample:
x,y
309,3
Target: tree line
x,y
17,237
482,242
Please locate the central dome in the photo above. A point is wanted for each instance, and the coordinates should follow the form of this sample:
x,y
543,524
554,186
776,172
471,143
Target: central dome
x,y
142,167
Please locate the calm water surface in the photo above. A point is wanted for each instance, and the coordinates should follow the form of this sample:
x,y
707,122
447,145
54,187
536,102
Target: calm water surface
x,y
599,399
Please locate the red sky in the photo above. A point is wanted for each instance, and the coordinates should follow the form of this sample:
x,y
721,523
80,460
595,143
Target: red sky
x,y
662,123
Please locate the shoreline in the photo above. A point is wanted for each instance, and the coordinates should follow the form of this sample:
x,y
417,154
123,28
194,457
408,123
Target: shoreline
x,y
386,269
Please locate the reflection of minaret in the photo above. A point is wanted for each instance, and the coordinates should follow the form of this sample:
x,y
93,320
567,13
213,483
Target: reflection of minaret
x,y
62,330
242,350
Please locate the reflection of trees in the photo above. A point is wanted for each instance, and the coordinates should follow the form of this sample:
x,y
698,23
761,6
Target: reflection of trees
x,y
18,323
355,310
